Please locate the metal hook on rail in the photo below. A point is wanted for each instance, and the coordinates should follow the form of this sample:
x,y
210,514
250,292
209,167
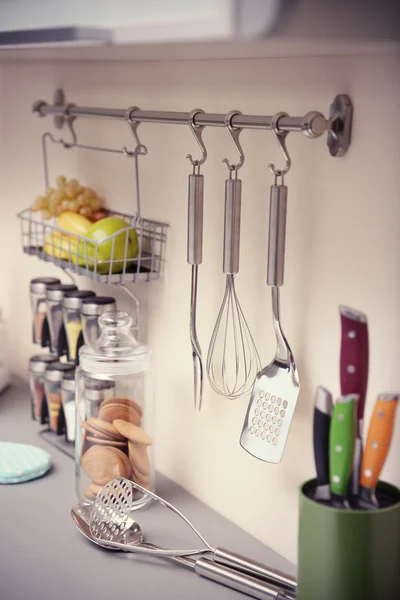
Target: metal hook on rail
x,y
280,137
234,133
69,119
197,131
140,148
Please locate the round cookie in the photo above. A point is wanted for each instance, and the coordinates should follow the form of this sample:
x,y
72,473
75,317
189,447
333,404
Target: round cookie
x,y
144,481
139,459
112,412
132,432
123,457
95,432
92,490
105,428
125,401
101,464
110,443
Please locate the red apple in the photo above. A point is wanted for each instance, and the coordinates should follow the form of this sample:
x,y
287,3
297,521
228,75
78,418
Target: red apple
x,y
99,214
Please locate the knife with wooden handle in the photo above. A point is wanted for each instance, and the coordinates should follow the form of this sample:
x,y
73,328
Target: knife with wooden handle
x,y
322,423
354,358
377,447
341,448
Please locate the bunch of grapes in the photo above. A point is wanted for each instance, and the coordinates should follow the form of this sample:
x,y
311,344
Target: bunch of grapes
x,y
69,195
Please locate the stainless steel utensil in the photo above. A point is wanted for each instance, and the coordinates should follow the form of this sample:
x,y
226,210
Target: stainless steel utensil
x,y
276,388
195,250
232,359
203,567
110,518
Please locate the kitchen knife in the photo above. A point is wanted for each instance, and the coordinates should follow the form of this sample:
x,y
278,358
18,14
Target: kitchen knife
x,y
341,448
322,422
377,447
354,357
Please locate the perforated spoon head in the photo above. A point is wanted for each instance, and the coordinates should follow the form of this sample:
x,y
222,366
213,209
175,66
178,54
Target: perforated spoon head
x,y
110,515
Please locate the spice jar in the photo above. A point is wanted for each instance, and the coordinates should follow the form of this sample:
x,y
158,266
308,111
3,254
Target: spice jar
x,y
114,437
68,404
92,308
38,302
54,297
72,304
37,368
96,391
52,384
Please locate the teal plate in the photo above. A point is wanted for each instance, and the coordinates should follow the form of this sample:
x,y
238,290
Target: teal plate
x,y
20,462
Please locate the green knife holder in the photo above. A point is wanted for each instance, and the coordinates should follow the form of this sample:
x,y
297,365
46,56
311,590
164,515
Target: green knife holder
x,y
349,554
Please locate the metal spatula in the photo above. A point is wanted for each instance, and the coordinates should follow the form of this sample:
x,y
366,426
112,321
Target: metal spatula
x,y
276,388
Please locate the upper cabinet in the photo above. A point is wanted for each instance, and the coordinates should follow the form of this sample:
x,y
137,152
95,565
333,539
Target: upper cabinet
x,y
151,29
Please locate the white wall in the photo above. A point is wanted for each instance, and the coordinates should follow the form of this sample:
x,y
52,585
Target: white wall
x,y
342,246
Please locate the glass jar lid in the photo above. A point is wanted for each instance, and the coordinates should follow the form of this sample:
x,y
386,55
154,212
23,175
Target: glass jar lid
x,y
68,381
39,362
55,371
57,291
116,351
39,285
95,389
97,305
73,300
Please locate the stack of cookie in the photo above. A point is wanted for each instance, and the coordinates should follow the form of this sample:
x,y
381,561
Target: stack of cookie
x,y
115,445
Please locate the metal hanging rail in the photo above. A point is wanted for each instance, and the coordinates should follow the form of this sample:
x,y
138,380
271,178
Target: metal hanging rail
x,y
313,124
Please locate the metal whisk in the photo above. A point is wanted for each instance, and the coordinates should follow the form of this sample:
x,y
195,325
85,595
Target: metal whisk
x,y
232,360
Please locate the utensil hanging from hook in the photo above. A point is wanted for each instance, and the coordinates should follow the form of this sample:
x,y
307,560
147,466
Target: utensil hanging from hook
x,y
276,388
195,249
232,360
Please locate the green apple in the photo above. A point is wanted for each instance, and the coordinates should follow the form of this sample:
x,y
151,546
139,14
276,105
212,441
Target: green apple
x,y
98,232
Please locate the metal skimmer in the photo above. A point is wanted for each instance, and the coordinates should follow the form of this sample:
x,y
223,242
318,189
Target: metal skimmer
x,y
110,519
276,388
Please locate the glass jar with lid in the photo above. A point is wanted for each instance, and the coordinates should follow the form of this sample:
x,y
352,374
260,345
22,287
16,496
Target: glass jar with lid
x,y
114,430
38,288
52,384
72,305
37,368
54,297
92,308
69,404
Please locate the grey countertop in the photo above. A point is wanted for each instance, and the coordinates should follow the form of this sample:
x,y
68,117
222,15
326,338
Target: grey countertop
x,y
43,556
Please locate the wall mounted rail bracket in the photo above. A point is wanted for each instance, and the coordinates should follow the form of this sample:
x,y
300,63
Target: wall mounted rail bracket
x,y
313,124
340,122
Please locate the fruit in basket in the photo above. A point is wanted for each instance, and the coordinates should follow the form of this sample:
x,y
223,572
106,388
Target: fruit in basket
x,y
73,223
68,196
59,245
100,250
99,214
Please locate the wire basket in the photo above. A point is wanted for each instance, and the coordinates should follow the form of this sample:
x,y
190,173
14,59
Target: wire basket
x,y
112,260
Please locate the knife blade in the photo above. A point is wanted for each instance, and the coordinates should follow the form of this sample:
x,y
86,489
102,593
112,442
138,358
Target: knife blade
x,y
322,422
341,448
379,438
354,359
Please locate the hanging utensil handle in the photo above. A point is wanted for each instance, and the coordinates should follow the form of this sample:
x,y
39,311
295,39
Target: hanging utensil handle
x,y
233,201
239,581
254,568
195,219
277,235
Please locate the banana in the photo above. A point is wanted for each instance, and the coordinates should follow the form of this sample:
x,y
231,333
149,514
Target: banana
x,y
72,222
59,245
